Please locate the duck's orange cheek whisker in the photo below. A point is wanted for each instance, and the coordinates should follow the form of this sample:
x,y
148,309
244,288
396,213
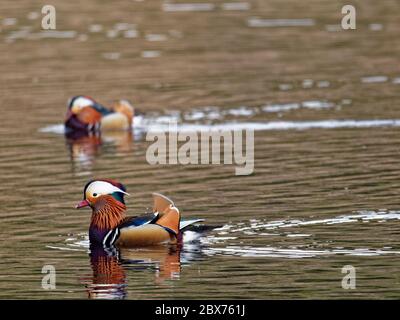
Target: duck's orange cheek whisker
x,y
82,204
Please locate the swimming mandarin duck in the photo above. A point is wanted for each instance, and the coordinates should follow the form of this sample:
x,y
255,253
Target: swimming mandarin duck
x,y
85,114
109,225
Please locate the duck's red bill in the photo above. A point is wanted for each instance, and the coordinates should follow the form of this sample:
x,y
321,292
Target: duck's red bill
x,y
82,204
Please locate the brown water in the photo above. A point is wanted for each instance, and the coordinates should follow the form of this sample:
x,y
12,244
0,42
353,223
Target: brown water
x,y
324,190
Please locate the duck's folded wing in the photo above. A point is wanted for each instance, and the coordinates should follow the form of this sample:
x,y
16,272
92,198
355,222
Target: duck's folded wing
x,y
100,108
140,220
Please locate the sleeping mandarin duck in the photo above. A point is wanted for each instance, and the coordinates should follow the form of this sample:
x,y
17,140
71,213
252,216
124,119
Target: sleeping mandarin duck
x,y
109,226
85,114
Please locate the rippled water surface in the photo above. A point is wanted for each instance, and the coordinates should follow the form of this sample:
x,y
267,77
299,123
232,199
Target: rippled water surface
x,y
324,106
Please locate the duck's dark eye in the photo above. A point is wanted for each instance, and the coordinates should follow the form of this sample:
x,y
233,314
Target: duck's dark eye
x,y
94,194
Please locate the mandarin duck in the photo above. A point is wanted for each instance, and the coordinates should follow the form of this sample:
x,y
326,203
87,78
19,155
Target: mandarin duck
x,y
109,225
85,114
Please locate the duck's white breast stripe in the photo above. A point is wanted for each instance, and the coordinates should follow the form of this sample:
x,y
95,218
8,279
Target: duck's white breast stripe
x,y
115,236
105,238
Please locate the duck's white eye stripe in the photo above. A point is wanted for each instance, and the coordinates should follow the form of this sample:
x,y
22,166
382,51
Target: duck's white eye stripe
x,y
82,102
102,188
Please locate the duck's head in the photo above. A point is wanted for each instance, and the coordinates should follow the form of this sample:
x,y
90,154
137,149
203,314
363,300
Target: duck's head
x,y
78,103
102,194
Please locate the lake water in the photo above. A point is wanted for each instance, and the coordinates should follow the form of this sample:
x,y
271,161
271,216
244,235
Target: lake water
x,y
324,106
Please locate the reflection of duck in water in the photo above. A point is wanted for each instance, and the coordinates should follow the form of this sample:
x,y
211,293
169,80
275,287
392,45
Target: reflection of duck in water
x,y
108,280
110,264
110,226
85,146
165,259
85,114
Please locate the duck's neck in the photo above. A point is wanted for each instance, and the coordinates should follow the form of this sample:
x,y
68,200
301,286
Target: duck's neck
x,y
108,214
